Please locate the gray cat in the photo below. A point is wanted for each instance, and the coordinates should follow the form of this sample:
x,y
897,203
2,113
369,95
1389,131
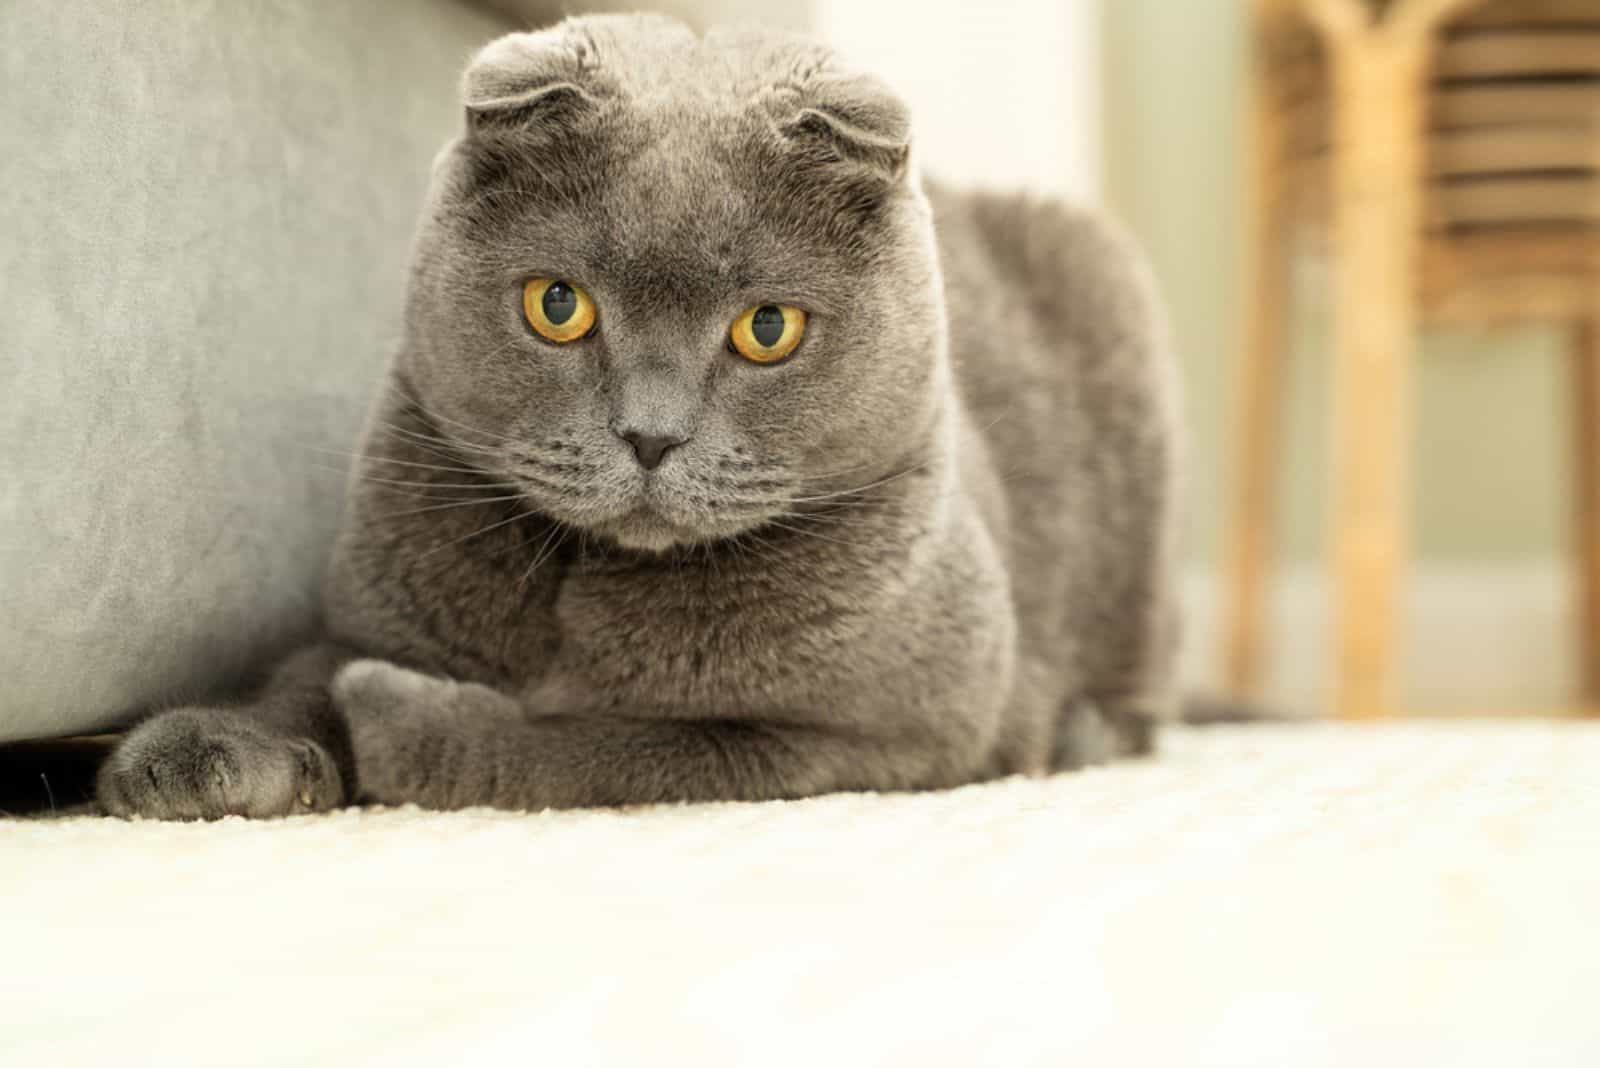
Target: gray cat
x,y
722,459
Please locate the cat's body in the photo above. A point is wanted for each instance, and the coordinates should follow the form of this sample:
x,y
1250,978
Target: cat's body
x,y
933,554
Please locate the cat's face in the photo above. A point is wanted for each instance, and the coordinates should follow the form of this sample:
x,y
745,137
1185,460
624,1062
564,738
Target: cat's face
x,y
666,187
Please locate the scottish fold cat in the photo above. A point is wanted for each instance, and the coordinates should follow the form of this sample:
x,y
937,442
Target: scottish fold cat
x,y
724,457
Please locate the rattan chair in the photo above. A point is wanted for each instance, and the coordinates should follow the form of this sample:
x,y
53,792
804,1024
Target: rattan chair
x,y
1449,151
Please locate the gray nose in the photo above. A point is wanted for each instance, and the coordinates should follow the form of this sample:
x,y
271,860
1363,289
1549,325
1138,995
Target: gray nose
x,y
650,448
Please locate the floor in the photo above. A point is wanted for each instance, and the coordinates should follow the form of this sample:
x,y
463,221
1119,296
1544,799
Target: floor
x,y
1261,895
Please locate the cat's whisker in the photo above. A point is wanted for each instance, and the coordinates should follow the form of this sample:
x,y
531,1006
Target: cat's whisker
x,y
827,513
751,545
556,467
828,476
433,485
830,518
863,489
548,485
441,417
506,550
362,476
448,444
430,450
437,449
480,531
434,419
453,504
443,498
803,532
768,553
552,542
370,458
399,488
839,499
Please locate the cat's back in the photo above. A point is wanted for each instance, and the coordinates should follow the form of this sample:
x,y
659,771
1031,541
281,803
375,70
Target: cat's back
x,y
1045,295
1064,368
1058,339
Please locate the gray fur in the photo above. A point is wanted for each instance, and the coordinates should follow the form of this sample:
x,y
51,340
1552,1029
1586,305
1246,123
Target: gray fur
x,y
929,548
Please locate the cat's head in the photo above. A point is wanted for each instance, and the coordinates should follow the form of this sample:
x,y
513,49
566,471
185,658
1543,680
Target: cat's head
x,y
675,287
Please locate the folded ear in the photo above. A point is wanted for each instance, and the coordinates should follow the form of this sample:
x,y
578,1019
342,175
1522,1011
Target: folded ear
x,y
530,83
854,118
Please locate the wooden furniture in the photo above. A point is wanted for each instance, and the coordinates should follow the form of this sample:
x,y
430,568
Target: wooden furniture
x,y
1450,151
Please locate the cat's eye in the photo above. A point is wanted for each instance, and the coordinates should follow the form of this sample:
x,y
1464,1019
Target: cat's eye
x,y
558,310
768,332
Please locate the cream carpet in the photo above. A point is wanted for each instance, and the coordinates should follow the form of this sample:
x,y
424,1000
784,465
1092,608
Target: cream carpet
x,y
1312,895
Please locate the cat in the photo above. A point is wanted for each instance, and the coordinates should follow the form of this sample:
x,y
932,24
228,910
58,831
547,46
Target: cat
x,y
723,458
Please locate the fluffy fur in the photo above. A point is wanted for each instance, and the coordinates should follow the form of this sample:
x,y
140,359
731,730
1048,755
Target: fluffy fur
x,y
930,547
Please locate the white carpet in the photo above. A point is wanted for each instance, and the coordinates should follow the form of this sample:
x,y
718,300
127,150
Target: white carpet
x,y
1406,895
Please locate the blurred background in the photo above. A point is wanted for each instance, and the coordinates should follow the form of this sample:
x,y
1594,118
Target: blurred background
x,y
1143,107
206,209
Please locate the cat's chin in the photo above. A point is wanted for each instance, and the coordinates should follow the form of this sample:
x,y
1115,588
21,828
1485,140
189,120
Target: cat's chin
x,y
646,530
647,539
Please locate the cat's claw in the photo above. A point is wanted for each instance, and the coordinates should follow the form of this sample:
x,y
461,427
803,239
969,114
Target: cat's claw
x,y
205,763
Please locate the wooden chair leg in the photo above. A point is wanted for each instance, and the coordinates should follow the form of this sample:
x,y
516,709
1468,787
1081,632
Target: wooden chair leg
x,y
1585,357
1379,83
1264,303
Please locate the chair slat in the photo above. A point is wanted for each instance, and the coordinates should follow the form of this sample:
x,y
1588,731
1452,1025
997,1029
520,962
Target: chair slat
x,y
1466,151
1564,53
1512,250
1500,105
1518,200
1508,149
1531,13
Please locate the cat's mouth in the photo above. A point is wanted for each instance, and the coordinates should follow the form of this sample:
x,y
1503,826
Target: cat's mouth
x,y
651,514
656,524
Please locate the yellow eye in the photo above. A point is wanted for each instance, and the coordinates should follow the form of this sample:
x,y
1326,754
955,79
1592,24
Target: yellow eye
x,y
558,310
768,332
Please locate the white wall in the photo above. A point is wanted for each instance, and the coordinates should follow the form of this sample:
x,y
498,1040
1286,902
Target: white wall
x,y
787,14
1006,93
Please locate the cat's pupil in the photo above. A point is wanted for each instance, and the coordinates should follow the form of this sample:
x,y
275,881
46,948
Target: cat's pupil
x,y
767,325
560,303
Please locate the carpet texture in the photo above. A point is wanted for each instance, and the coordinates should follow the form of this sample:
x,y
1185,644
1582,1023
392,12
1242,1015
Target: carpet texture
x,y
1312,895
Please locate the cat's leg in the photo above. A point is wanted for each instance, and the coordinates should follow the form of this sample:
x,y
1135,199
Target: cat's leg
x,y
284,753
446,745
1132,686
1089,733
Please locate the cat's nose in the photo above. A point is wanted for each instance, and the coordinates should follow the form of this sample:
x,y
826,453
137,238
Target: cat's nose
x,y
650,448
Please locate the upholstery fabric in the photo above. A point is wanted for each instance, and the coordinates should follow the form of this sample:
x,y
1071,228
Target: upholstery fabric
x,y
205,210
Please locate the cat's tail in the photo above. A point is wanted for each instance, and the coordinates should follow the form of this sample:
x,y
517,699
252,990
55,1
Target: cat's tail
x,y
1208,710
1093,732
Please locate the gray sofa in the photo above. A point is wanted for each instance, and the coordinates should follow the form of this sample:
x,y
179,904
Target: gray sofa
x,y
204,217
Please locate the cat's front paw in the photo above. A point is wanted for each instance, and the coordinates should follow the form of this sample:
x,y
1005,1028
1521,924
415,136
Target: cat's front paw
x,y
205,763
375,685
378,698
402,723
